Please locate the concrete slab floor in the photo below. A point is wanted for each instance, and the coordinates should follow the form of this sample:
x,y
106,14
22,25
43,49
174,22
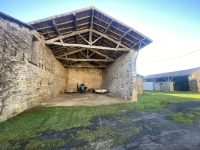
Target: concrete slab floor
x,y
86,99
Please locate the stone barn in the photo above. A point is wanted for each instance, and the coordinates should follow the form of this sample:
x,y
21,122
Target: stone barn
x,y
43,58
183,80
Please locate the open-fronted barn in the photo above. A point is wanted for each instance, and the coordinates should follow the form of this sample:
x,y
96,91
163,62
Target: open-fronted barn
x,y
43,58
183,80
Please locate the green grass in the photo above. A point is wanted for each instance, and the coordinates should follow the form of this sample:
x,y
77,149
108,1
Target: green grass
x,y
32,123
187,118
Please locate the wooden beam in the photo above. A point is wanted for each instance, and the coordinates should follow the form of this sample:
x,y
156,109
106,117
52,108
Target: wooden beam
x,y
96,40
84,39
90,46
42,28
100,64
103,55
67,35
83,31
137,42
91,27
118,44
100,60
125,34
107,37
75,26
83,54
71,66
59,24
70,53
56,28
108,26
91,55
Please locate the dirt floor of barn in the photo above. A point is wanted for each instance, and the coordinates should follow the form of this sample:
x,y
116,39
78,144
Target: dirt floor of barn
x,y
84,99
174,123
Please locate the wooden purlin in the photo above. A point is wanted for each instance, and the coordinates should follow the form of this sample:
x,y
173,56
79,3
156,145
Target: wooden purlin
x,y
100,60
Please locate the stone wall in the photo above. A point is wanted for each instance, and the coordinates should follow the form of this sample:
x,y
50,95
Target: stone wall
x,y
140,85
194,81
90,77
29,73
163,86
120,77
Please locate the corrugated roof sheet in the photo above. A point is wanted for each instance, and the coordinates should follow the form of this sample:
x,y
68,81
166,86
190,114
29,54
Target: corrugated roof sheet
x,y
172,74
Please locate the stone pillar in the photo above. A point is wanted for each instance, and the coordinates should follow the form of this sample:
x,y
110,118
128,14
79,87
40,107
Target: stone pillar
x,y
134,84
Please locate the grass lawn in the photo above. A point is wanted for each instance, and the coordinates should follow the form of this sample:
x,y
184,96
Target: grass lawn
x,y
33,122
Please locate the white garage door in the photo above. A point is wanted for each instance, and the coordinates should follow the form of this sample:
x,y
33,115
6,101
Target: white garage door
x,y
148,86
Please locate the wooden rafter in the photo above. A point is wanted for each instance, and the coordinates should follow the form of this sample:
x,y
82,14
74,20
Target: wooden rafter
x,y
101,54
70,53
125,34
138,42
71,66
90,46
96,40
67,35
75,26
100,60
109,25
56,28
107,37
91,27
84,39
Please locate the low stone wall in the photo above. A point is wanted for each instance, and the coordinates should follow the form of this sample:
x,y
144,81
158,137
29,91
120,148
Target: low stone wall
x,y
194,81
29,73
90,77
120,77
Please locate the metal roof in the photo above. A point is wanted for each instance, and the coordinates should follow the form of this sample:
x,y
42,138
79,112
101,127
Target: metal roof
x,y
173,74
88,35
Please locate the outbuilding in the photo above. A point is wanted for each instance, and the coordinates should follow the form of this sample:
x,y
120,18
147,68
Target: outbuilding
x,y
43,58
183,80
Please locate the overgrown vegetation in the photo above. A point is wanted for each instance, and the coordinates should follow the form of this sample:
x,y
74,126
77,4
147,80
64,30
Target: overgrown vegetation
x,y
31,124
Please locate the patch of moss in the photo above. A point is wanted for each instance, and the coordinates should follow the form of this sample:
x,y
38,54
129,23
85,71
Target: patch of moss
x,y
137,130
146,127
187,118
36,144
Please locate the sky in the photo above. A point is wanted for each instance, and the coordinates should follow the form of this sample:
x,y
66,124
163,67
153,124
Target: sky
x,y
173,25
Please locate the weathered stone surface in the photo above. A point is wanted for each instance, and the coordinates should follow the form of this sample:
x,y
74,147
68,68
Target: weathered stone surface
x,y
29,73
90,77
120,78
194,81
140,85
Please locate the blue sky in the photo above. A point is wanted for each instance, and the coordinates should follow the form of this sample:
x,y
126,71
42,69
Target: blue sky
x,y
173,25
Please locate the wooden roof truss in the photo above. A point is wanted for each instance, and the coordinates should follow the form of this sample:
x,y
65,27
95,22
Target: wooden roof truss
x,y
88,35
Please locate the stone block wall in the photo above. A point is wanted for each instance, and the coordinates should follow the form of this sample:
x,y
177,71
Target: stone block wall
x,y
194,81
120,77
90,77
163,86
29,73
140,85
